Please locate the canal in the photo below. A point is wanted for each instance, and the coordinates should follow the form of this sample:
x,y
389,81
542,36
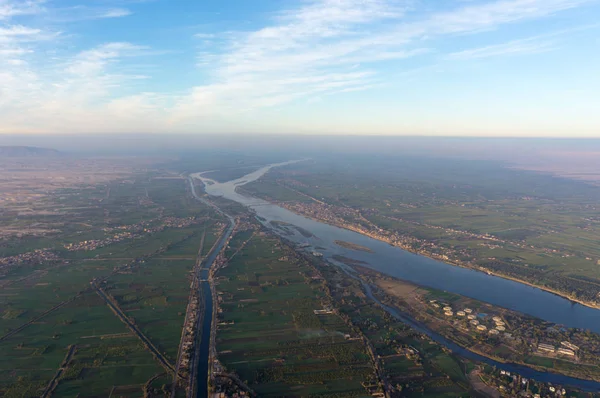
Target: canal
x,y
203,365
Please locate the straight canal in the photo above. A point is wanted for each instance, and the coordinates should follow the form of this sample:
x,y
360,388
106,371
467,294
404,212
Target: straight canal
x,y
203,357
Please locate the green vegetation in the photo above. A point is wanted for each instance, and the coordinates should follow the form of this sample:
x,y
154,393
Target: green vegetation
x,y
48,305
412,365
269,334
154,295
107,353
525,225
286,322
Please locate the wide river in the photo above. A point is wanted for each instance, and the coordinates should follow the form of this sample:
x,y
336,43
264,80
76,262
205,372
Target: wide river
x,y
411,267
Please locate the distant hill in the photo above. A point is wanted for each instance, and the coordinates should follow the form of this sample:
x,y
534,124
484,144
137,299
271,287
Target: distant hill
x,y
27,151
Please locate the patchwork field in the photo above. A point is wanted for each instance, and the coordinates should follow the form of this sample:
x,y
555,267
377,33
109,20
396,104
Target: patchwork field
x,y
411,364
137,239
106,353
269,334
525,225
155,296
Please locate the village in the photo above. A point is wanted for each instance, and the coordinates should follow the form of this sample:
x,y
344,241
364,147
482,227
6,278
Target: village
x,y
465,255
133,231
29,258
498,327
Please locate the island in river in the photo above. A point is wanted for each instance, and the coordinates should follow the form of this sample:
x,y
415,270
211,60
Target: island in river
x,y
331,339
526,227
353,246
419,270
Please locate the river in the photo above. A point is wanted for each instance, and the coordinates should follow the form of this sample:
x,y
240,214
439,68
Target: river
x,y
415,268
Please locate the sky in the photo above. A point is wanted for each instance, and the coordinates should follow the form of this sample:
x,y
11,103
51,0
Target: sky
x,y
510,68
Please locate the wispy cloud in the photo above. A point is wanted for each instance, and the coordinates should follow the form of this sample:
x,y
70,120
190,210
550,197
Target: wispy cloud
x,y
204,35
307,51
12,8
86,13
492,14
18,31
316,49
114,13
514,47
334,46
530,45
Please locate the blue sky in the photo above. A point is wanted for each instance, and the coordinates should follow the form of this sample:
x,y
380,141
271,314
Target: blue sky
x,y
386,67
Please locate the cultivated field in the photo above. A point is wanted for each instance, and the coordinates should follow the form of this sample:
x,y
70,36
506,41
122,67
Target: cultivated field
x,y
269,334
136,238
520,224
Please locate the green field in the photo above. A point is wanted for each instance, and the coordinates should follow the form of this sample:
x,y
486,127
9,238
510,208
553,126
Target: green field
x,y
149,275
155,295
428,371
107,353
522,224
268,333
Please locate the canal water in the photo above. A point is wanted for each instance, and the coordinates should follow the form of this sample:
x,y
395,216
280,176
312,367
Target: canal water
x,y
207,294
421,270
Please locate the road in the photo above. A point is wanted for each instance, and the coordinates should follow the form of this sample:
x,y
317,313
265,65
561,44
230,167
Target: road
x,y
188,312
159,356
37,318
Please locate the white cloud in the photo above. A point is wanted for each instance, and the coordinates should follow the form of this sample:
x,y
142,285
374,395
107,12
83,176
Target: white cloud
x,y
307,45
321,48
306,52
114,13
515,47
94,61
530,45
17,31
13,8
204,35
13,52
492,14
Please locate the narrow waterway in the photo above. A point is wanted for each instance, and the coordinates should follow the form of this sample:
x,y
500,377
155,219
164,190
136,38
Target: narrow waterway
x,y
524,371
203,365
421,270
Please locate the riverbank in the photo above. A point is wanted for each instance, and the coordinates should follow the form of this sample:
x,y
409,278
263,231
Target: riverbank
x,y
205,355
436,257
424,305
457,280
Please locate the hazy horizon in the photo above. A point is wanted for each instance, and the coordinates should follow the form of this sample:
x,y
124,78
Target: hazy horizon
x,y
178,143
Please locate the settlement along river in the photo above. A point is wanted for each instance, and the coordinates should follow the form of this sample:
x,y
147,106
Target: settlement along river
x,y
422,271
